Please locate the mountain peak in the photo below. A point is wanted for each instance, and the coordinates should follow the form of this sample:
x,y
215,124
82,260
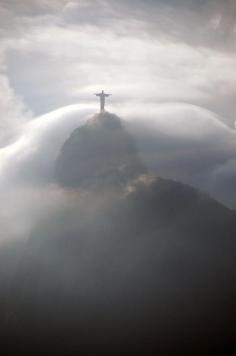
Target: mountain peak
x,y
99,153
105,120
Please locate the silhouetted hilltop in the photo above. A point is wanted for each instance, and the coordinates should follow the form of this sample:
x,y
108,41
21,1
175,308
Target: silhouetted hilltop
x,y
100,153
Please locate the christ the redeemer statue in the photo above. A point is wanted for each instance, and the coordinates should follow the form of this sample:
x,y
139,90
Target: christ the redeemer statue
x,y
103,97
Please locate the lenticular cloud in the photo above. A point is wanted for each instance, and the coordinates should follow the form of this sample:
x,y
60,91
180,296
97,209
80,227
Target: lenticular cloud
x,y
176,141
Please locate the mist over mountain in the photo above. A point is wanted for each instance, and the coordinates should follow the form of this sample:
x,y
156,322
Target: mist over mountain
x,y
117,231
127,261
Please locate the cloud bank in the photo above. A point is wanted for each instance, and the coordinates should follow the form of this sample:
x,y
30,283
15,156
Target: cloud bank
x,y
121,243
176,141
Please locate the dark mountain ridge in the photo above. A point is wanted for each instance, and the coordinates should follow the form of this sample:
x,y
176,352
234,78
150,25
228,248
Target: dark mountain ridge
x,y
100,153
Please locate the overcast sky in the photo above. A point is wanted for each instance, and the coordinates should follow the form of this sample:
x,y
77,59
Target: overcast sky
x,y
55,53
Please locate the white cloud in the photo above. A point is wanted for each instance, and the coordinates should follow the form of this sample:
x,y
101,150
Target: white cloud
x,y
31,157
12,112
26,171
188,144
